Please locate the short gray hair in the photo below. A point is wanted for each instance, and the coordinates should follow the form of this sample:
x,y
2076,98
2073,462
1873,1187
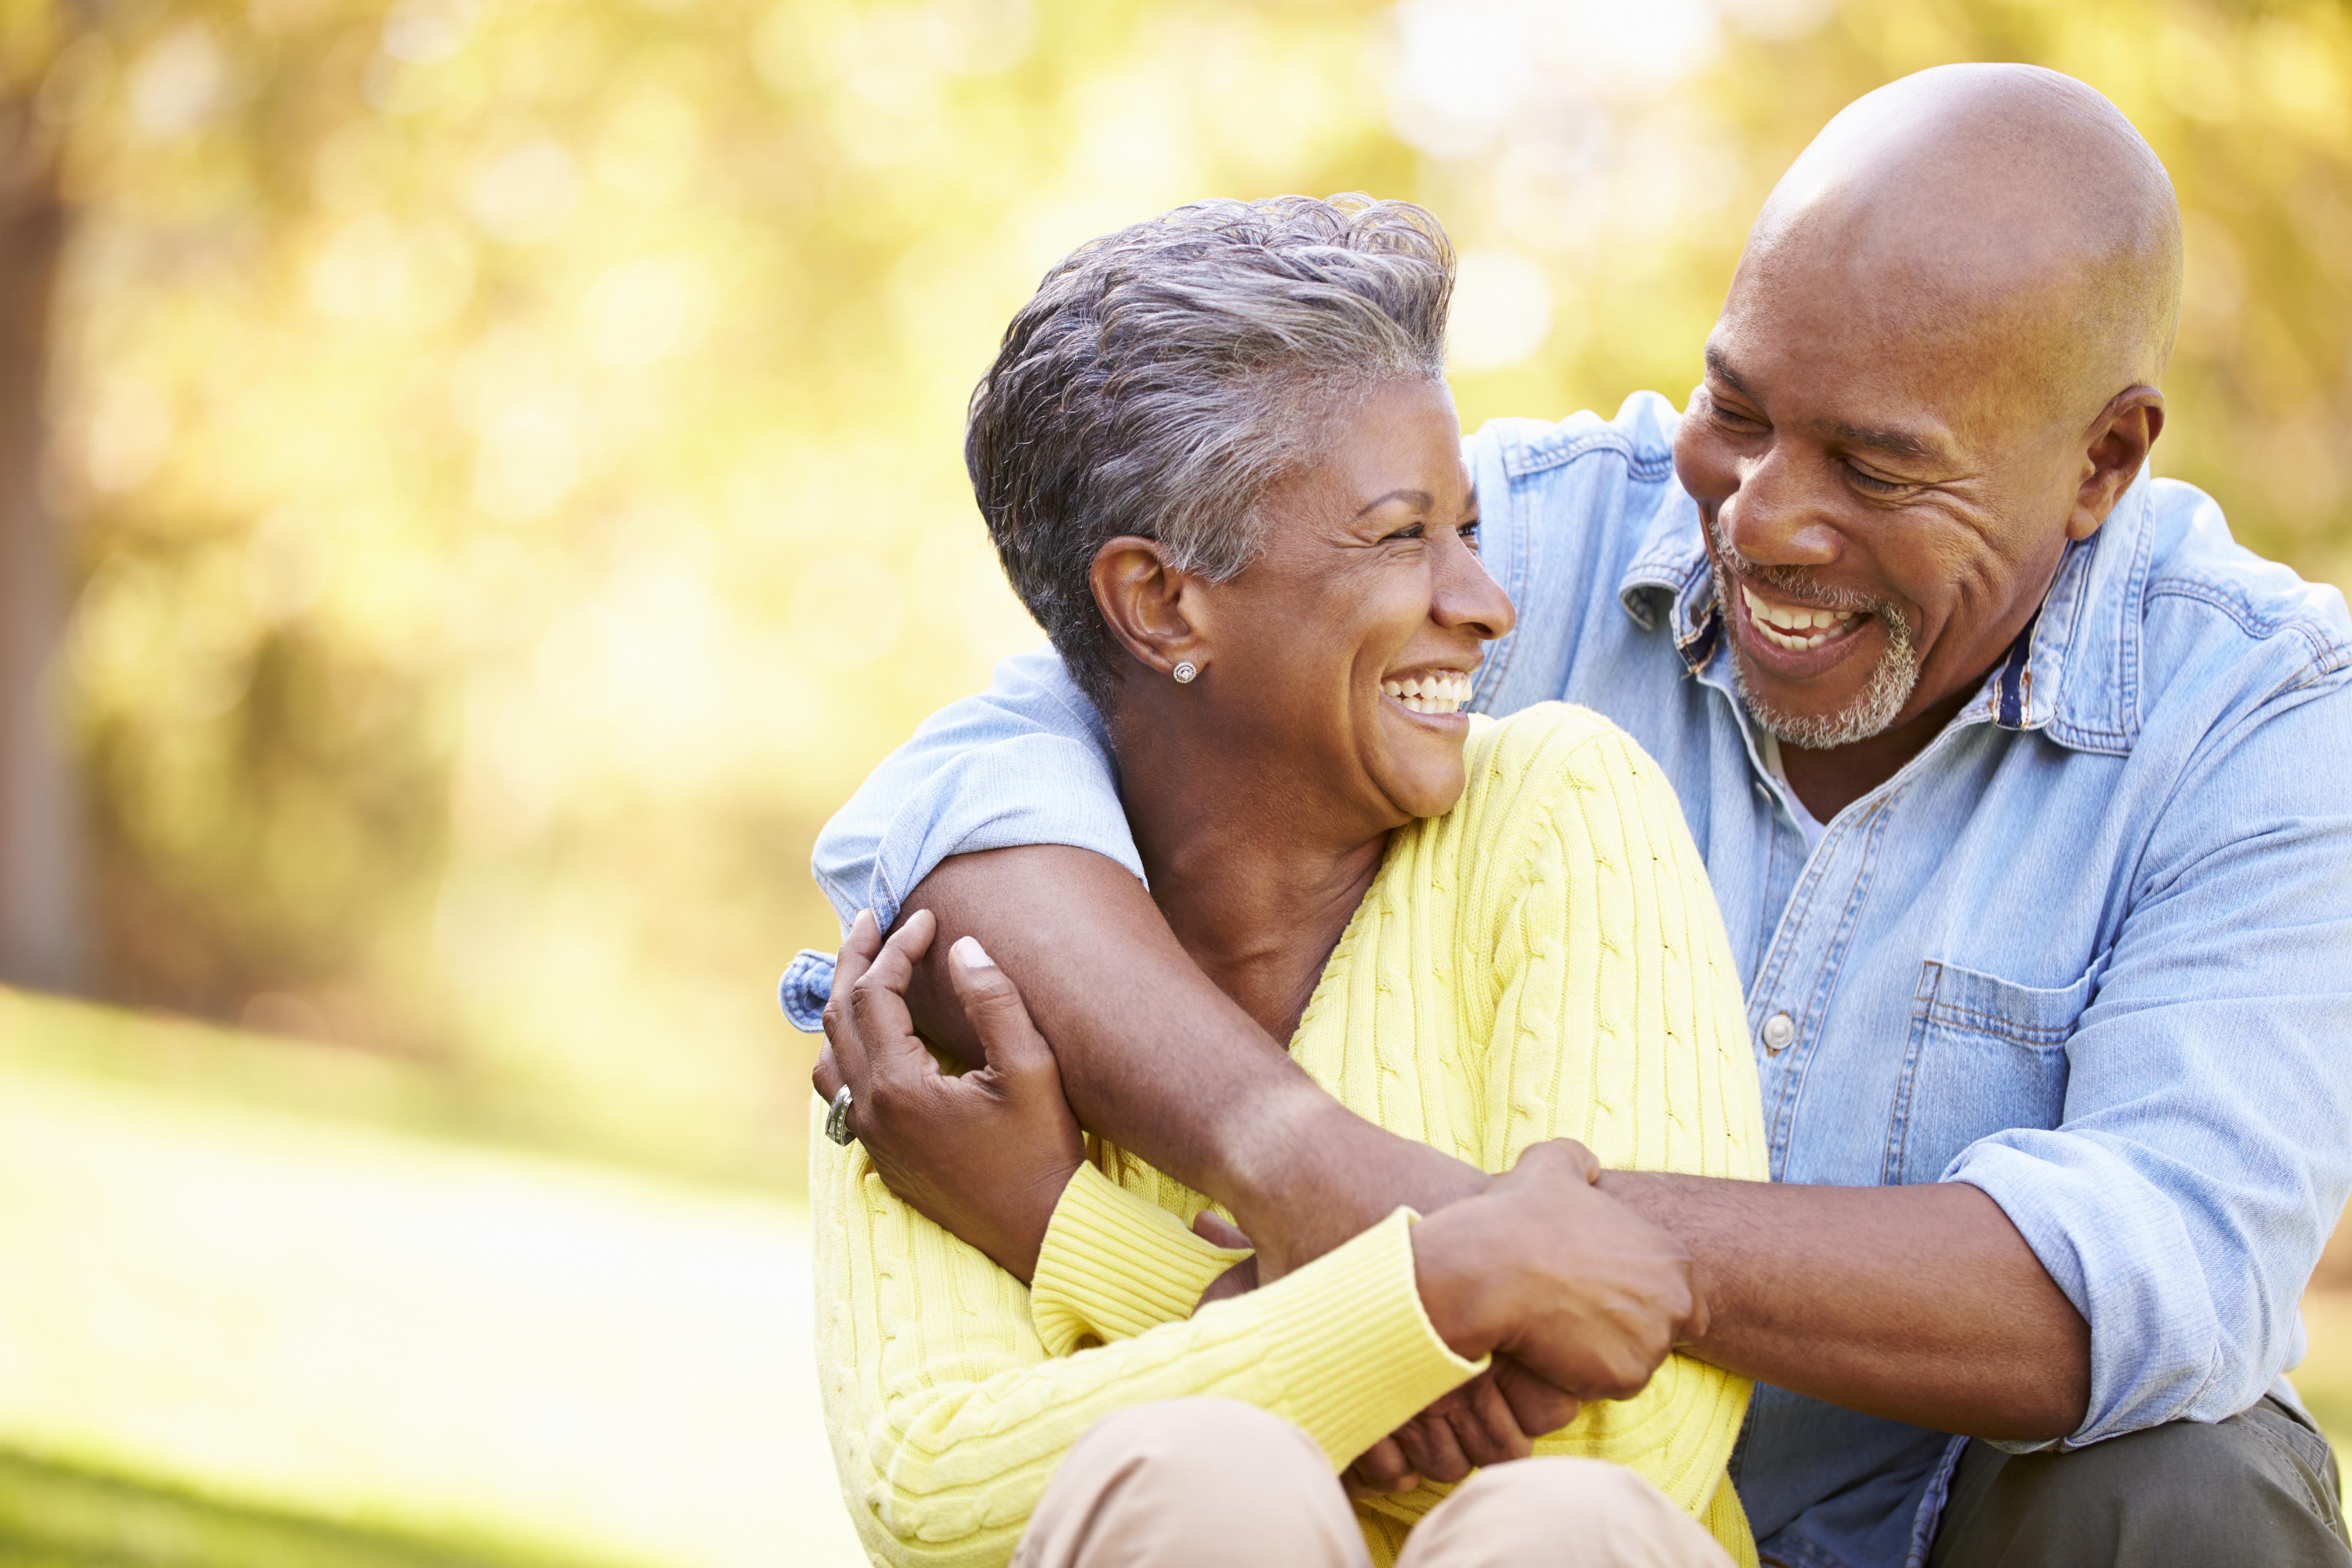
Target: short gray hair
x,y
1163,376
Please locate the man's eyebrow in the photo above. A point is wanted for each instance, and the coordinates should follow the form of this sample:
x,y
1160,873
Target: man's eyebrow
x,y
1902,442
1421,499
1720,366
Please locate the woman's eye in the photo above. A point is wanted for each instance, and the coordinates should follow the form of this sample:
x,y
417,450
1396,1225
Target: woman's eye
x,y
1469,532
1413,532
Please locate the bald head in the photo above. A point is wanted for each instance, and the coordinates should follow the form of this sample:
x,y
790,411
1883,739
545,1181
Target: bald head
x,y
1934,373
2003,210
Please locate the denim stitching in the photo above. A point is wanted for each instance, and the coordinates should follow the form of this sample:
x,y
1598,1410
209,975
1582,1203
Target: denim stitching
x,y
1898,1124
1873,825
1522,459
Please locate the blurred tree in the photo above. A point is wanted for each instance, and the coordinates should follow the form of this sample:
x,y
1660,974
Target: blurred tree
x,y
40,841
510,449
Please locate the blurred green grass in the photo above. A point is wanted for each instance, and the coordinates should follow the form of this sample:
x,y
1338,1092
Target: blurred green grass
x,y
258,1307
263,1307
55,1515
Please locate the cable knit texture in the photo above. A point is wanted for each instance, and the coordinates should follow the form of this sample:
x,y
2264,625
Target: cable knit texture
x,y
1546,960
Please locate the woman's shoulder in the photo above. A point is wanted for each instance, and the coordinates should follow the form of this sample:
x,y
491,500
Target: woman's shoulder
x,y
1542,753
1546,770
1551,796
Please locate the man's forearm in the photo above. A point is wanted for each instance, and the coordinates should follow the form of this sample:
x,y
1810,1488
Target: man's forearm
x,y
1921,1303
1157,1060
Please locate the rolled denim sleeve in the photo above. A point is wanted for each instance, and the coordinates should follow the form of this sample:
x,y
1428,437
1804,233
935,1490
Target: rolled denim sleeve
x,y
1025,762
2202,1160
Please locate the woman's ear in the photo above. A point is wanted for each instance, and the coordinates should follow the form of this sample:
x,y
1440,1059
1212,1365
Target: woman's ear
x,y
1151,607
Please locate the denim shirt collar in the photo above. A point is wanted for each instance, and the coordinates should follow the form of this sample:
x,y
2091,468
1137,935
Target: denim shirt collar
x,y
2072,673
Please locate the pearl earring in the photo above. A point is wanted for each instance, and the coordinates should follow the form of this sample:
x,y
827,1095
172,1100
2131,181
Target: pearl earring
x,y
1185,672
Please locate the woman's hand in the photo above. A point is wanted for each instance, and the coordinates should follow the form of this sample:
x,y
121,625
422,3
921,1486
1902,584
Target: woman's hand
x,y
1492,1419
986,1155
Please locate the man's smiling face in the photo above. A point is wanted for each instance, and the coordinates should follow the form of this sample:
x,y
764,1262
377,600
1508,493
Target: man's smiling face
x,y
1878,535
1912,392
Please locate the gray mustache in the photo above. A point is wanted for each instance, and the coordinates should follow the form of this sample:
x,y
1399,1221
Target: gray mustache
x,y
1796,583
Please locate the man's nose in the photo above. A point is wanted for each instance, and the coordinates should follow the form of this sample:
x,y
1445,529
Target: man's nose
x,y
1780,515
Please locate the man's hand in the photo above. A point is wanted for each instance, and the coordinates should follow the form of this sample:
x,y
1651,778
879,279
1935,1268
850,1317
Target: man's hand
x,y
1544,1268
1490,1420
985,1154
1575,1297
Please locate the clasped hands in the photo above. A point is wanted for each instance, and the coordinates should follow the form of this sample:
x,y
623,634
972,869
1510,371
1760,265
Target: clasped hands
x,y
1574,1296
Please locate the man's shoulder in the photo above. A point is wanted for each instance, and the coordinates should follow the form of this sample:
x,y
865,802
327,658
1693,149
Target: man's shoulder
x,y
2217,615
1581,516
1640,441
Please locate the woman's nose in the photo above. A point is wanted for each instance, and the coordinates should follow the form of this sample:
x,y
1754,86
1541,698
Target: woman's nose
x,y
1468,596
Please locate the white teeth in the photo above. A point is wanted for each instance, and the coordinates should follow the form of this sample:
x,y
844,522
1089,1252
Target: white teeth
x,y
1440,691
1792,627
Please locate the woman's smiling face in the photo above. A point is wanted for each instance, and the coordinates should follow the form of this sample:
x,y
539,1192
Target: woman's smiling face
x,y
1346,648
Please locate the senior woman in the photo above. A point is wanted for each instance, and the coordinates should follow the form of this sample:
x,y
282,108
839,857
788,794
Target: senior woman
x,y
1219,461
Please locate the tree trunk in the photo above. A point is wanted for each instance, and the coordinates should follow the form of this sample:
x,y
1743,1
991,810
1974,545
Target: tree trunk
x,y
42,934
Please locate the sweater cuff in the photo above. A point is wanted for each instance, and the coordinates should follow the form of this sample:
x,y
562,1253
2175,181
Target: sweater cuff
x,y
1350,1346
1113,1265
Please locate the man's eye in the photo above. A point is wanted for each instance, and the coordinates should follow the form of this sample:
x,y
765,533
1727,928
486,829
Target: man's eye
x,y
1732,418
1872,483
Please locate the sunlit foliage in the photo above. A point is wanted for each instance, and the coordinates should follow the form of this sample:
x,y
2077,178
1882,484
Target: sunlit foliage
x,y
510,446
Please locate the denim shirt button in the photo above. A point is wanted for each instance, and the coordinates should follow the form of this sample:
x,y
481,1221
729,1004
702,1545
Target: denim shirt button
x,y
1778,1031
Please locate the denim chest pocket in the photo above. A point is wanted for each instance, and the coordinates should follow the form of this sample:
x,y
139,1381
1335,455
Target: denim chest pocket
x,y
1985,1055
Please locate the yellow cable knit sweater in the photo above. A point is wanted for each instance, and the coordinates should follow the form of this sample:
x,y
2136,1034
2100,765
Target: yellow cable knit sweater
x,y
1546,960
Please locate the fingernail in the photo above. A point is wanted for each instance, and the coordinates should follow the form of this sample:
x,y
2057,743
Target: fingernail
x,y
973,954
863,917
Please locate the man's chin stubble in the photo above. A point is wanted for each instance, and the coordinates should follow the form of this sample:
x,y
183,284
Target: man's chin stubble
x,y
1871,713
1890,686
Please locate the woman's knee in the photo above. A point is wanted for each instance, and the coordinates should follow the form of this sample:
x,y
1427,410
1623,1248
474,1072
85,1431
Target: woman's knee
x,y
1579,1513
1187,1481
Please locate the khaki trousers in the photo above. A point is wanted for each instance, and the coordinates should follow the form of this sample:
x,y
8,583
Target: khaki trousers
x,y
1214,1483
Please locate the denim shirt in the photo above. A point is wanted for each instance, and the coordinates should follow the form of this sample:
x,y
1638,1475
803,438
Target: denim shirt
x,y
2089,952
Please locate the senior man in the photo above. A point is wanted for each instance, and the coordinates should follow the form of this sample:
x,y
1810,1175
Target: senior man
x,y
2022,789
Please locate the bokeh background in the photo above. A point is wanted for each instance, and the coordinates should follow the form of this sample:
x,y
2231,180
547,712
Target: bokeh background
x,y
480,480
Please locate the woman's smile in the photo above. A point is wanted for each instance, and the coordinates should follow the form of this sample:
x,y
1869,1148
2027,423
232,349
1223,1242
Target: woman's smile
x,y
1432,693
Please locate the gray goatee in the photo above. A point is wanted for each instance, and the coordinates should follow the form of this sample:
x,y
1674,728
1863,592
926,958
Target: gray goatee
x,y
1883,695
